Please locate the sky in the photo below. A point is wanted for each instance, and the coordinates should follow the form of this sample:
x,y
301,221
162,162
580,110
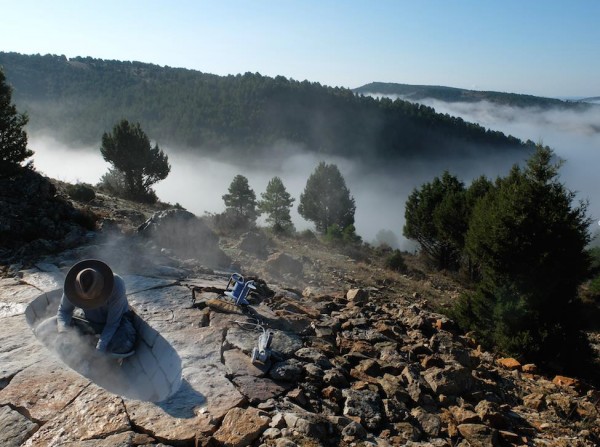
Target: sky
x,y
539,47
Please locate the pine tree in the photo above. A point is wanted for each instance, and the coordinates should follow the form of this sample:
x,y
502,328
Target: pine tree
x,y
276,202
528,241
326,200
241,199
436,217
13,138
136,163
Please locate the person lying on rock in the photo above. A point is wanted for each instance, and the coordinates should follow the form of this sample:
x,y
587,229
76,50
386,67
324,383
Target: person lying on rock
x,y
92,286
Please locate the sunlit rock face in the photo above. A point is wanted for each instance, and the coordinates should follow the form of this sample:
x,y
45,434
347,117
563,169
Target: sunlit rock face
x,y
152,374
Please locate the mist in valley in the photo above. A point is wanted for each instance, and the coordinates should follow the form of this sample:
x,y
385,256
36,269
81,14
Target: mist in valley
x,y
573,135
198,181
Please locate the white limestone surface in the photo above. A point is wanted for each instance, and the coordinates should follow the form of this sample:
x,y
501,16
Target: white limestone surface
x,y
174,388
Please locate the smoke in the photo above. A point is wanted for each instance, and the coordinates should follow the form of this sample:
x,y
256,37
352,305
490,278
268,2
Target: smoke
x,y
198,180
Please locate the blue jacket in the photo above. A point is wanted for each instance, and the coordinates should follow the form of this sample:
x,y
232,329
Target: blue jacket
x,y
109,314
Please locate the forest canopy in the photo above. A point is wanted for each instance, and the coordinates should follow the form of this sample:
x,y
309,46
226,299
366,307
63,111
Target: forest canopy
x,y
80,97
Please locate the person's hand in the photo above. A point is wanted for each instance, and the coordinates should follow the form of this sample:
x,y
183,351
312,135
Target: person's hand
x,y
99,349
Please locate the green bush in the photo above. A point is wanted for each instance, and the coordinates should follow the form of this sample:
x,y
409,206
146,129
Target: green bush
x,y
307,235
595,286
113,182
82,192
86,218
333,234
231,221
347,235
396,262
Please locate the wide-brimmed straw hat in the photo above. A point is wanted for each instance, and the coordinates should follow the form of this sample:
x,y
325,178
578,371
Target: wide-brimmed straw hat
x,y
89,283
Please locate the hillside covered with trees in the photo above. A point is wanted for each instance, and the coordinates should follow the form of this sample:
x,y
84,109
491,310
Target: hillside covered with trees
x,y
80,98
451,94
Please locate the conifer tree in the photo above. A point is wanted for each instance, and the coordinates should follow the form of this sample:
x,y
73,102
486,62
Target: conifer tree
x,y
326,200
13,138
436,217
528,241
137,164
276,202
241,199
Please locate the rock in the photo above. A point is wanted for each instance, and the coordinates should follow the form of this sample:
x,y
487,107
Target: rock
x,y
35,220
430,423
354,430
313,356
256,389
185,234
406,432
479,435
288,371
535,401
358,374
306,424
509,363
254,243
395,410
282,263
452,380
239,364
357,296
567,382
14,427
335,377
366,405
240,427
239,338
43,389
93,414
490,414
463,415
563,405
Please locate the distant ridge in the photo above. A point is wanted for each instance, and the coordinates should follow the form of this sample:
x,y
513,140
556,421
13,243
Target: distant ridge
x,y
415,93
592,100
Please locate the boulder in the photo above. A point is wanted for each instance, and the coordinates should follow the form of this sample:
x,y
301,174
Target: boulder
x,y
255,243
282,263
240,427
186,235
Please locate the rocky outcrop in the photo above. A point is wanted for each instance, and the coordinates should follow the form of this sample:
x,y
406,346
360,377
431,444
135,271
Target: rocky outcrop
x,y
256,243
355,367
35,220
185,235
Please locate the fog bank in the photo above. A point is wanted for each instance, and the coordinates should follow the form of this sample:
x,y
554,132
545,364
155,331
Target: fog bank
x,y
573,135
198,182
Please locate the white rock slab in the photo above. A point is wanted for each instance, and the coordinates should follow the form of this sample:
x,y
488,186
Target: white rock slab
x,y
44,281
